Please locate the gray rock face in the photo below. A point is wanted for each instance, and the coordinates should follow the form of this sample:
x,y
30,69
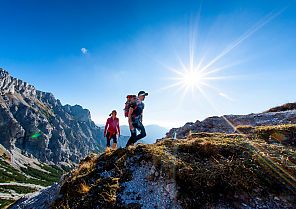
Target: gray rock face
x,y
41,126
227,123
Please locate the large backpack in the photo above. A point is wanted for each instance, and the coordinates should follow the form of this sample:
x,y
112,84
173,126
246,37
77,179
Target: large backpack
x,y
130,102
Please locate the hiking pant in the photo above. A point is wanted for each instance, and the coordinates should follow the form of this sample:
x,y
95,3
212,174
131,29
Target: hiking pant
x,y
134,137
109,136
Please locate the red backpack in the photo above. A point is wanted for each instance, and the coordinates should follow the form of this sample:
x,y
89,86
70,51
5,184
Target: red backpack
x,y
130,101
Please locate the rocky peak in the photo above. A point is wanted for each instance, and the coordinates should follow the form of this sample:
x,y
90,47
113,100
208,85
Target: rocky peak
x,y
11,85
3,73
78,112
39,125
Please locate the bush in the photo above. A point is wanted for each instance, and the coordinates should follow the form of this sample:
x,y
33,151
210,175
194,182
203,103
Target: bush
x,y
245,129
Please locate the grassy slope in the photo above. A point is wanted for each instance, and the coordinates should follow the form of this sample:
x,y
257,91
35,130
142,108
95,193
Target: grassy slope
x,y
209,169
5,203
10,174
37,177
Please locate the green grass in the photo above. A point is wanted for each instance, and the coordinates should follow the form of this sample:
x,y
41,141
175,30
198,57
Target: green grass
x,y
40,178
46,179
10,173
17,189
5,203
53,169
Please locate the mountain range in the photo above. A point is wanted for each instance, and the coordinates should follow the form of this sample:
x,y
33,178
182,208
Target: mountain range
x,y
36,124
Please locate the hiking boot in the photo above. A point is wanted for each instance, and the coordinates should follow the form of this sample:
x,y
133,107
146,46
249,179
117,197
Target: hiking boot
x,y
131,147
108,149
114,146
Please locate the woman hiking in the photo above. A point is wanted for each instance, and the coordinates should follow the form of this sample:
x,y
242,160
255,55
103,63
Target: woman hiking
x,y
112,130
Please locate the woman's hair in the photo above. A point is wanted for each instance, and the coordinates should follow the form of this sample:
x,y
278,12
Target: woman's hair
x,y
113,111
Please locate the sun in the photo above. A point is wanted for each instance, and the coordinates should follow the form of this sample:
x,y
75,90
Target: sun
x,y
191,78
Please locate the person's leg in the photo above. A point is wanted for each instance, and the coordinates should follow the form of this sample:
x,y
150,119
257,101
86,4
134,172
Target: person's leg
x,y
142,131
132,138
108,139
114,145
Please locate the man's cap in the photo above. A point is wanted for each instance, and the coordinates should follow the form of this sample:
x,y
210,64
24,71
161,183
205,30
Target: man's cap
x,y
142,93
112,112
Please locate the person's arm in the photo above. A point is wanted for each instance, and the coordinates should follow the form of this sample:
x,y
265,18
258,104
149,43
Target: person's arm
x,y
130,112
106,127
142,117
118,128
142,113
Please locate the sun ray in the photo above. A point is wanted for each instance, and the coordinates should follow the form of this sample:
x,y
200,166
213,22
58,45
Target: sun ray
x,y
219,77
261,23
173,70
183,67
219,69
195,75
172,85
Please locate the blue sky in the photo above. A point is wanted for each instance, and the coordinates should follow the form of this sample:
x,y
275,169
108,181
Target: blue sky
x,y
131,44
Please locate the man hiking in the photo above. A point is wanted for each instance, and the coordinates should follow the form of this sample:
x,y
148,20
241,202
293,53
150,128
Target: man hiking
x,y
135,118
112,130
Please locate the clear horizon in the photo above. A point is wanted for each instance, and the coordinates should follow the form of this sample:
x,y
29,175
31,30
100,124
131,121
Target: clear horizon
x,y
196,59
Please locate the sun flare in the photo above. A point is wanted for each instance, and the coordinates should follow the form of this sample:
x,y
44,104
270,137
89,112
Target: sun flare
x,y
191,78
198,74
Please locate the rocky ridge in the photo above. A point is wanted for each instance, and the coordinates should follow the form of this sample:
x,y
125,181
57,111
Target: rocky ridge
x,y
228,123
205,170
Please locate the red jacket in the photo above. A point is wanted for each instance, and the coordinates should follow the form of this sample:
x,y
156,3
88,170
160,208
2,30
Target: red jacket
x,y
112,126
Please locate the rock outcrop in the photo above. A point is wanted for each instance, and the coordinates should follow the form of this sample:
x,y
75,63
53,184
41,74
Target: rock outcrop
x,y
228,123
284,107
40,126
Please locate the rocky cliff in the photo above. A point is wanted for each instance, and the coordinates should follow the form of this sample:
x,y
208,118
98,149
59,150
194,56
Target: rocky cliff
x,y
40,126
228,123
